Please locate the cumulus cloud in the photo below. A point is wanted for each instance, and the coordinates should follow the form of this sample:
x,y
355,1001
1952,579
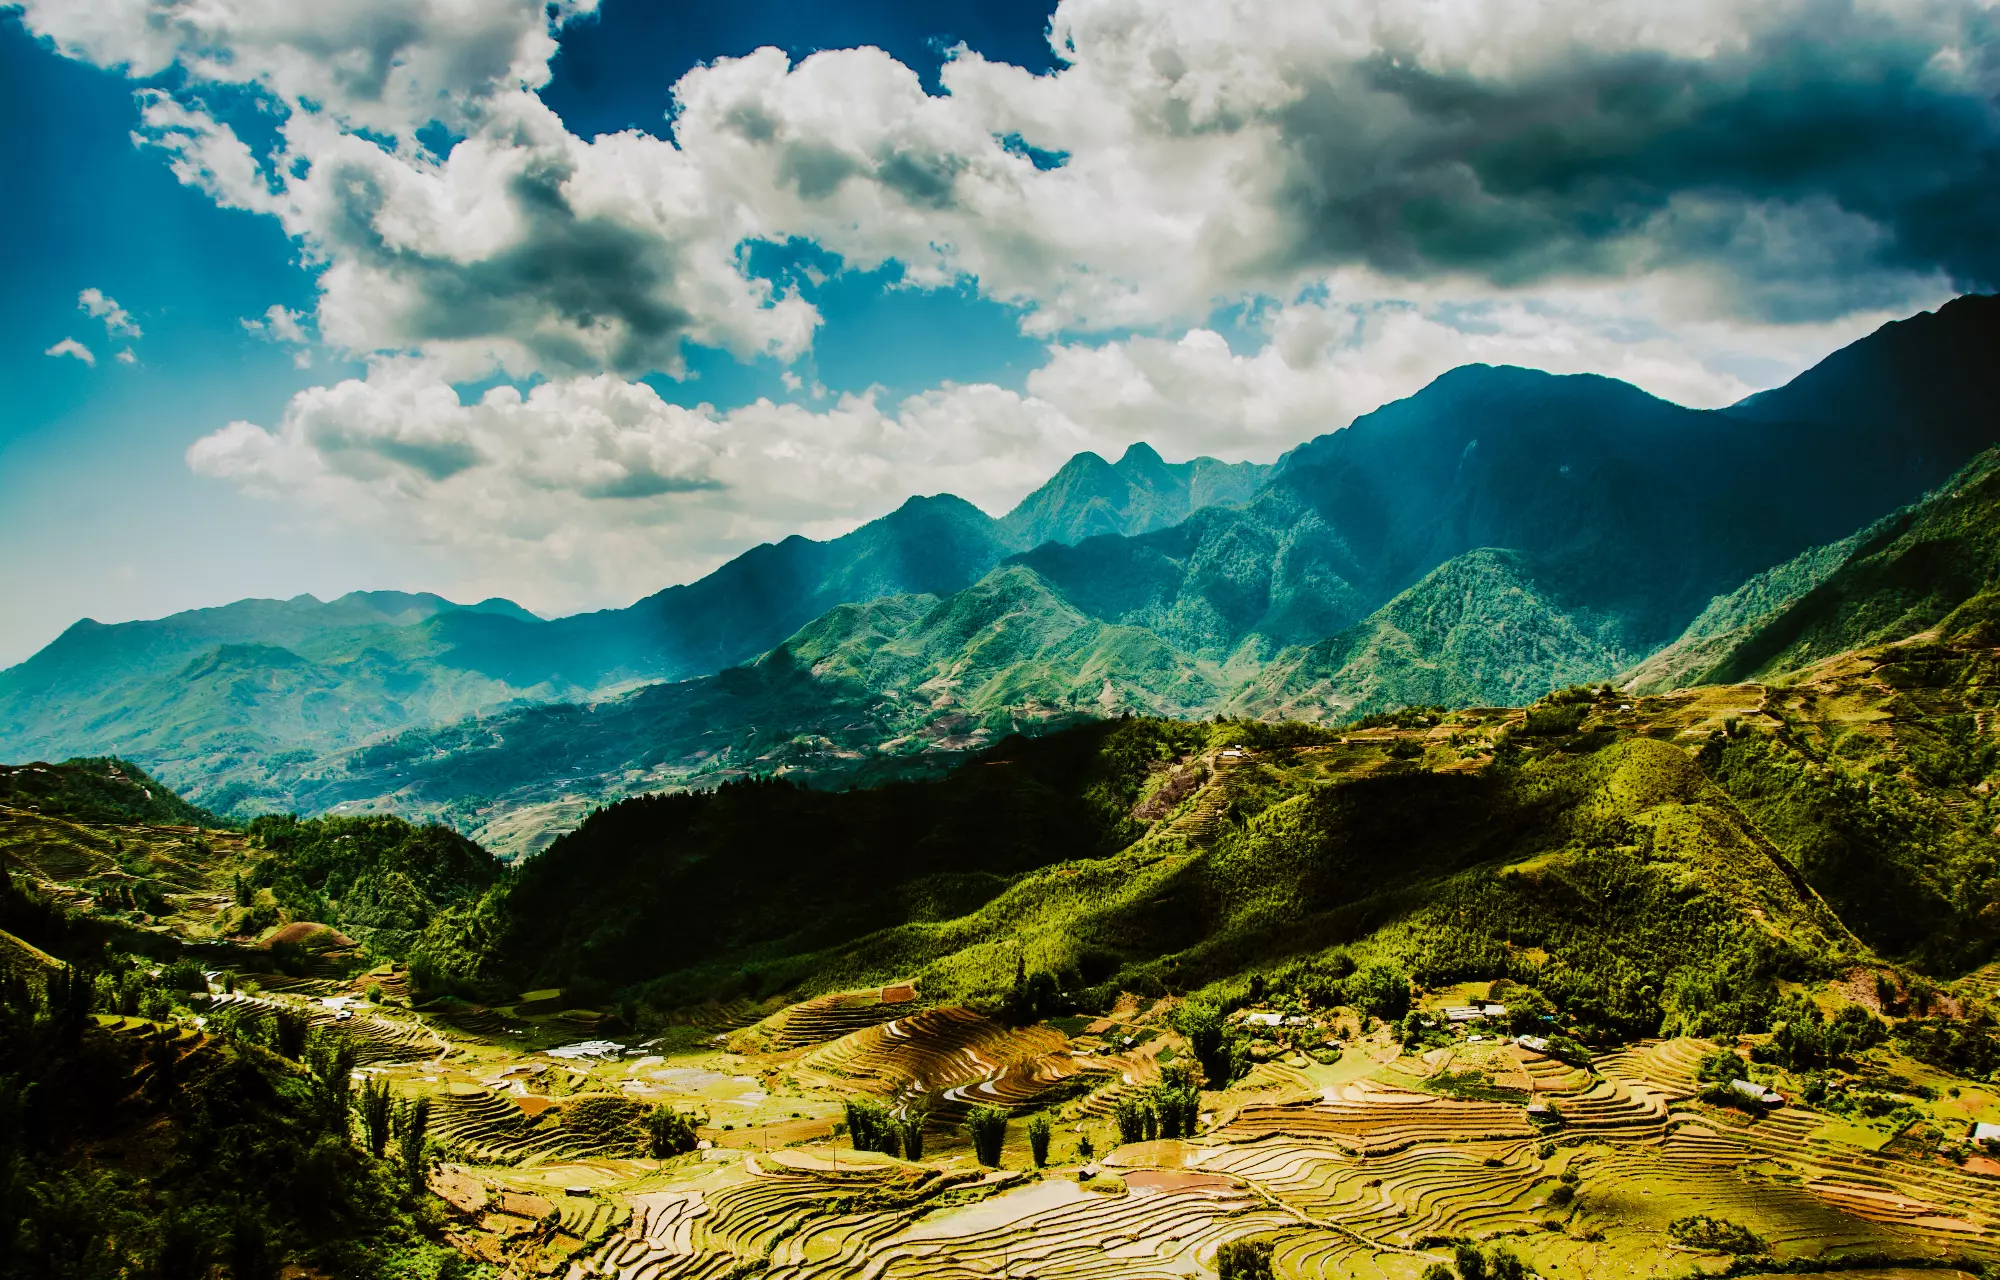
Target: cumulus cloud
x,y
589,491
118,322
74,349
1700,203
1793,161
282,325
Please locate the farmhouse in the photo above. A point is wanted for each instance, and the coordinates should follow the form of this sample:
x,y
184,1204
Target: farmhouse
x,y
1986,1132
1758,1093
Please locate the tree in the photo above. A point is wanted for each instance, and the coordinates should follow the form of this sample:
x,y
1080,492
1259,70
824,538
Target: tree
x,y
870,1127
1244,1260
1212,1042
911,1130
376,1105
331,1060
1471,1262
989,1133
669,1132
415,1128
1380,990
1039,1130
1136,1120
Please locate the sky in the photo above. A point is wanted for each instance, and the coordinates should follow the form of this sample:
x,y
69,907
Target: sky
x,y
566,302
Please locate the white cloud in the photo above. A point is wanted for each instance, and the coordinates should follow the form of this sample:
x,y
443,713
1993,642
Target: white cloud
x,y
592,491
283,325
1208,153
1700,204
118,322
127,356
74,349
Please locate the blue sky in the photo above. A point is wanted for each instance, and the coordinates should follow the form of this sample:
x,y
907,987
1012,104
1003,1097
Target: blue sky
x,y
519,355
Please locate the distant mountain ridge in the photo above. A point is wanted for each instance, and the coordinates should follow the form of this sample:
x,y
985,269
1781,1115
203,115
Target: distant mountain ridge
x,y
1498,533
212,694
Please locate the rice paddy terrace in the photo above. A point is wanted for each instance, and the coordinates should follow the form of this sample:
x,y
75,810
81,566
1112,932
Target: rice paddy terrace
x,y
1371,1166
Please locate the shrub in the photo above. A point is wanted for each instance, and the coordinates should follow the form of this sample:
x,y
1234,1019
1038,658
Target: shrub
x,y
1715,1235
1552,721
989,1133
1244,1260
870,1127
669,1132
1039,1130
911,1129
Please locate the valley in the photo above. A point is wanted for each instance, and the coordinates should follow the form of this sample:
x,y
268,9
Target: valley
x,y
1330,1002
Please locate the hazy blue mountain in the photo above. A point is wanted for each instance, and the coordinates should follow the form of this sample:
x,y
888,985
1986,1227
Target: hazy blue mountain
x,y
210,696
1137,494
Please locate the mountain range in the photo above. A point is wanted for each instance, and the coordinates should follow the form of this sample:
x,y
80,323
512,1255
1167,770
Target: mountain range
x,y
1500,533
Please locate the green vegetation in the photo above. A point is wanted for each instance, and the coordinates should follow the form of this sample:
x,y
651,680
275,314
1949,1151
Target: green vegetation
x,y
105,789
1244,1260
378,878
1715,1235
1327,588
672,1133
1040,1129
169,1153
870,1127
988,1127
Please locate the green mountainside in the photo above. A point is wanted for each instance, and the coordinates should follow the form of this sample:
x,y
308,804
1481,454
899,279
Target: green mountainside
x,y
1137,494
101,790
217,698
1657,517
1731,619
1498,534
1909,573
1478,629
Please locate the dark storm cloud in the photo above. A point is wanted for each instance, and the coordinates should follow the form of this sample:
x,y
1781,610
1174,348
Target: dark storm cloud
x,y
1836,134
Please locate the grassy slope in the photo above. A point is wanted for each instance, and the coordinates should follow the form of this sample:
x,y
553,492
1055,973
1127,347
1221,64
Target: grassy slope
x,y
157,887
1906,575
1478,630
1625,869
103,790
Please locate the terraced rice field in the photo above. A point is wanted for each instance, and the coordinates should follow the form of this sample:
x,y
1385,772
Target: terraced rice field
x,y
831,1017
1355,1173
951,1058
